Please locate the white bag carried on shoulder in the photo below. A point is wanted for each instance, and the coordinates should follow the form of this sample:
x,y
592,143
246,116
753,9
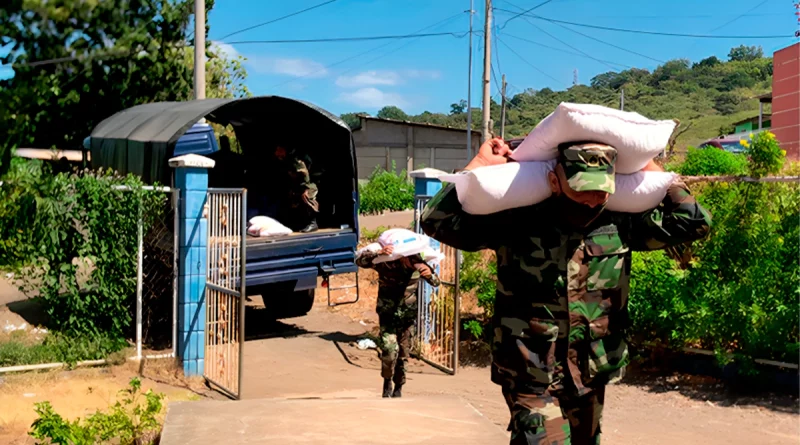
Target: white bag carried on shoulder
x,y
640,191
405,242
491,189
488,190
263,226
636,138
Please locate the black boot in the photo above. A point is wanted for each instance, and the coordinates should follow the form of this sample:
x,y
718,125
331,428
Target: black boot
x,y
398,392
311,227
387,388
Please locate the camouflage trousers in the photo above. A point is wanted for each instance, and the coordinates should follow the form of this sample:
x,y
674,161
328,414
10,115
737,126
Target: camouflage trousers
x,y
548,420
395,350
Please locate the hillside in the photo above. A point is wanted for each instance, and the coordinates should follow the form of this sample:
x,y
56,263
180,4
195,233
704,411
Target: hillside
x,y
706,97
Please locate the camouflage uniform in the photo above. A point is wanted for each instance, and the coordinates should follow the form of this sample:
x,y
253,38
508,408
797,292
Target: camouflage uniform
x,y
561,300
302,205
397,309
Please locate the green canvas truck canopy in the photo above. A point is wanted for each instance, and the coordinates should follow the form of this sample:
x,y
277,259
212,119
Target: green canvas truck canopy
x,y
141,139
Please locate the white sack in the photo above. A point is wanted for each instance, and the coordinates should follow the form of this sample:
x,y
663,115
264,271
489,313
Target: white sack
x,y
495,188
640,191
487,190
405,242
373,247
432,256
263,226
636,138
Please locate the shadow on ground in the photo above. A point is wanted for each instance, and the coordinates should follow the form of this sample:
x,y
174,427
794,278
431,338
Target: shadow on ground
x,y
699,378
259,325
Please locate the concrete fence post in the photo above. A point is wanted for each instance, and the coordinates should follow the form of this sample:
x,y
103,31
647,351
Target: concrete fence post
x,y
191,178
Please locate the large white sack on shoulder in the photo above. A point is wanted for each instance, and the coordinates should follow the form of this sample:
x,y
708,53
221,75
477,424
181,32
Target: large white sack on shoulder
x,y
405,243
492,189
640,191
432,256
373,247
636,138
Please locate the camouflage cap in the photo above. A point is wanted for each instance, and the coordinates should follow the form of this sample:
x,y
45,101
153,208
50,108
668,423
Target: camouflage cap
x,y
588,166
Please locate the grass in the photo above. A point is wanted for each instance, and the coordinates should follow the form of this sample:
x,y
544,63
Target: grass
x,y
21,349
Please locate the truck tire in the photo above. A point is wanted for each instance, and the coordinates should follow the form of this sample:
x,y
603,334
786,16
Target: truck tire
x,y
281,303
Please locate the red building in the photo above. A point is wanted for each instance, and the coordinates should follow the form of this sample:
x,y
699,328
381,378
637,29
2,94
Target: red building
x,y
786,100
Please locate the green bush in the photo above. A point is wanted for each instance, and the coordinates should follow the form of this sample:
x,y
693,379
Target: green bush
x,y
58,348
58,223
739,296
479,276
127,422
386,191
712,161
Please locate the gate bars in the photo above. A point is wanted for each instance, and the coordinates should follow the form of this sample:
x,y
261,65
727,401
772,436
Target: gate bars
x,y
225,289
438,322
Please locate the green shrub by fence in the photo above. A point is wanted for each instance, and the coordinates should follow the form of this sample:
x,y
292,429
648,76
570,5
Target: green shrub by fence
x,y
56,225
386,191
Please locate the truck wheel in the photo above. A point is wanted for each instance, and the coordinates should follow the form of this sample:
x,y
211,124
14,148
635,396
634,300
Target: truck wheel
x,y
288,304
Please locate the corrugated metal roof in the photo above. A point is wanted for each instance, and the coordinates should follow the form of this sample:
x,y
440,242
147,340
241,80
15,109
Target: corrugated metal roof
x,y
415,124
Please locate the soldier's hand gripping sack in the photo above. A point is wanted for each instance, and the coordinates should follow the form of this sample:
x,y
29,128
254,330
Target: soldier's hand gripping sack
x,y
636,138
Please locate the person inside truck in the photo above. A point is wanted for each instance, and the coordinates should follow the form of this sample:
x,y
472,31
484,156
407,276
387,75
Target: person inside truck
x,y
301,206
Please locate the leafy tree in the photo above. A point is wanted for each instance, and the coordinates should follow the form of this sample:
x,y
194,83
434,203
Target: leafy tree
x,y
744,53
707,62
459,107
392,112
112,55
352,120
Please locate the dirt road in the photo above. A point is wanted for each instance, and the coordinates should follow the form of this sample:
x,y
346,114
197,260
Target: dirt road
x,y
313,357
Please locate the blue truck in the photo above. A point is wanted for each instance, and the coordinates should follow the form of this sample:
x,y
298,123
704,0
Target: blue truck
x,y
284,270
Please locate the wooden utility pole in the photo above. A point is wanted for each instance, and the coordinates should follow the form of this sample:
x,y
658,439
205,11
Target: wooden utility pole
x,y
503,109
199,49
487,73
469,85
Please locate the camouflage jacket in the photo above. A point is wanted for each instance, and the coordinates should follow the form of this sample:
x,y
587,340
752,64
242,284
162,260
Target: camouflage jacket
x,y
397,286
561,300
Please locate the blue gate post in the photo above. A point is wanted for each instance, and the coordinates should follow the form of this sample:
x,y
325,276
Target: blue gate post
x,y
191,178
426,184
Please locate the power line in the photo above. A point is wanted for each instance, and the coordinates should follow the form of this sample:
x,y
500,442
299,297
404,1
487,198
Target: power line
x,y
278,19
524,12
656,33
599,40
530,64
739,16
350,39
557,49
574,48
347,59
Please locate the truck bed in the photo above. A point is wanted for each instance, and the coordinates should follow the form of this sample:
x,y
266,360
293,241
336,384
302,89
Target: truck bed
x,y
321,233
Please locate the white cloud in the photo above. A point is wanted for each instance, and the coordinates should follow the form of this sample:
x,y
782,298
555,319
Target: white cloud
x,y
384,77
372,97
224,48
369,78
287,67
422,74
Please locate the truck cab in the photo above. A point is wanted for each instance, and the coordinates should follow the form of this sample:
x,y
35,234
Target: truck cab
x,y
284,270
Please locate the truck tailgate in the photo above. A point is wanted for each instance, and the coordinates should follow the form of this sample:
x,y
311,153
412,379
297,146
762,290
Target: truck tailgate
x,y
300,256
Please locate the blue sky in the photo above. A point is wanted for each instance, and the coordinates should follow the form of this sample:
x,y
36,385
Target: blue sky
x,y
431,73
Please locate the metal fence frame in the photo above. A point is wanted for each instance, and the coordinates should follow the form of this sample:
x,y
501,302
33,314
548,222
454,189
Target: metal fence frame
x,y
427,323
174,203
225,285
